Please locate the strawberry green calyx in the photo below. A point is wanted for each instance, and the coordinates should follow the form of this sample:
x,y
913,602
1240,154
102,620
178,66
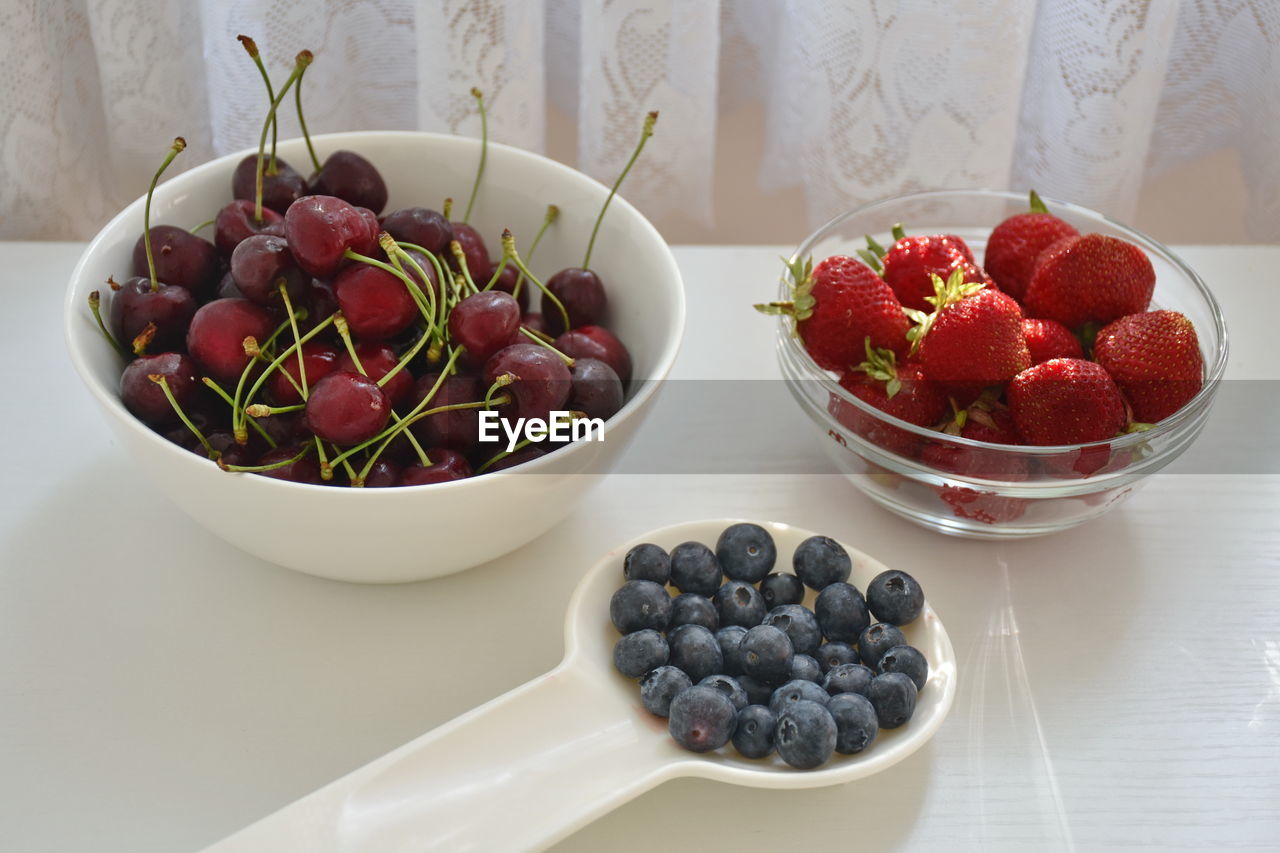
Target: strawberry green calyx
x,y
872,254
1037,204
802,302
945,294
898,231
882,365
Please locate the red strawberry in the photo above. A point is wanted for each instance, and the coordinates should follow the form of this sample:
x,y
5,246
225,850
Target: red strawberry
x,y
1048,339
1015,243
899,390
974,336
911,261
985,507
1155,359
838,306
1066,401
986,421
1094,278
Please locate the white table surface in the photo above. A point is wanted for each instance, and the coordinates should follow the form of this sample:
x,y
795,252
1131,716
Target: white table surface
x,y
1119,683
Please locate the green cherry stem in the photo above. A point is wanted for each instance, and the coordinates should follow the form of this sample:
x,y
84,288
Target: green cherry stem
x,y
293,324
202,226
238,430
649,121
553,213
251,48
95,305
509,252
542,342
178,145
226,398
168,395
279,359
484,152
302,121
461,257
253,469
300,64
446,209
261,410
501,382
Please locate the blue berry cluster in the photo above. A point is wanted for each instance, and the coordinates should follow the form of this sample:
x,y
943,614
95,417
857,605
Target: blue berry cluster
x,y
734,655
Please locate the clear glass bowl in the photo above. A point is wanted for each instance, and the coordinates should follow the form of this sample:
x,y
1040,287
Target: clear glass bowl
x,y
991,491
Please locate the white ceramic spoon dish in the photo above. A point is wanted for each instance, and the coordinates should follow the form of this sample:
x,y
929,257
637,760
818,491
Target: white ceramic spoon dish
x,y
531,766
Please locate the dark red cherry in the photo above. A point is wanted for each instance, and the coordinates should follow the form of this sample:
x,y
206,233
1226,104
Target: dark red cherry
x,y
597,342
346,408
458,429
446,465
420,226
582,294
541,380
146,399
320,229
305,470
236,222
136,304
224,444
535,322
227,288
521,456
261,263
376,303
319,359
279,190
596,389
377,360
182,259
428,268
383,474
216,336
352,178
485,323
473,248
507,283
320,303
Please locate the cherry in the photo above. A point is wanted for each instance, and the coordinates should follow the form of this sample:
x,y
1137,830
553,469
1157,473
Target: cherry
x,y
223,442
236,221
376,303
597,342
539,379
216,336
473,248
446,465
484,323
320,303
377,360
427,267
519,457
507,283
280,188
140,302
535,322
352,178
227,288
304,470
420,226
260,264
321,228
582,294
596,389
182,259
318,358
458,429
146,399
383,474
346,408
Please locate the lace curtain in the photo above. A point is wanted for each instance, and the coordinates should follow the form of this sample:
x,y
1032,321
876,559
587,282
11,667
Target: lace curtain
x,y
862,98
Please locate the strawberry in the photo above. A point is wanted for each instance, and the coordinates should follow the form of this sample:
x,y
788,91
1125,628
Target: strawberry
x,y
1066,401
1015,243
973,338
1154,359
1094,278
911,262
988,421
837,306
898,390
1048,339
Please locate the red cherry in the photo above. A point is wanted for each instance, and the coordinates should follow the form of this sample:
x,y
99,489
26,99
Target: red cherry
x,y
521,456
596,390
540,383
146,399
420,226
377,360
260,264
320,360
216,337
535,322
473,248
279,190
376,303
321,228
485,323
507,282
305,470
582,294
182,259
346,408
458,429
236,221
446,465
352,178
137,304
597,342
383,474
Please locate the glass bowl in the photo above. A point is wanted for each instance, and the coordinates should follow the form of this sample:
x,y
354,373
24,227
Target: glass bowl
x,y
991,491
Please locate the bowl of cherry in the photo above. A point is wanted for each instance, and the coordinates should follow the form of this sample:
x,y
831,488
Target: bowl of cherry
x,y
324,375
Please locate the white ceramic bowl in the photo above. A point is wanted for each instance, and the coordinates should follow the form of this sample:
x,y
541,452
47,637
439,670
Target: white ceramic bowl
x,y
411,533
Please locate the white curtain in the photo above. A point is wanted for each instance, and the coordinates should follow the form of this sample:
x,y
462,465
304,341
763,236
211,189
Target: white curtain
x,y
863,98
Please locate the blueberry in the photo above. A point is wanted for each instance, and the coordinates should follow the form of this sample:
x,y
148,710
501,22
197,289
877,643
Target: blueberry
x,y
877,640
758,693
842,612
660,686
694,649
766,654
740,603
894,697
746,552
831,655
640,651
647,562
729,687
689,608
800,625
753,738
820,561
805,735
805,668
797,691
702,719
782,588
694,568
730,640
856,724
848,678
907,660
895,597
638,605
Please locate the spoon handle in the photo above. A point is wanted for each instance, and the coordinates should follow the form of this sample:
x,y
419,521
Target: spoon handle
x,y
520,772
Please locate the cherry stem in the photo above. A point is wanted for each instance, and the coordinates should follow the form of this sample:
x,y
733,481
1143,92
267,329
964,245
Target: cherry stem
x,y
251,48
95,305
415,292
251,469
509,251
261,410
542,342
326,469
541,336
237,423
440,276
178,144
426,299
649,121
344,332
446,209
461,257
484,151
160,380
276,362
202,226
306,135
501,382
217,389
404,359
300,64
553,213
293,324
144,339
